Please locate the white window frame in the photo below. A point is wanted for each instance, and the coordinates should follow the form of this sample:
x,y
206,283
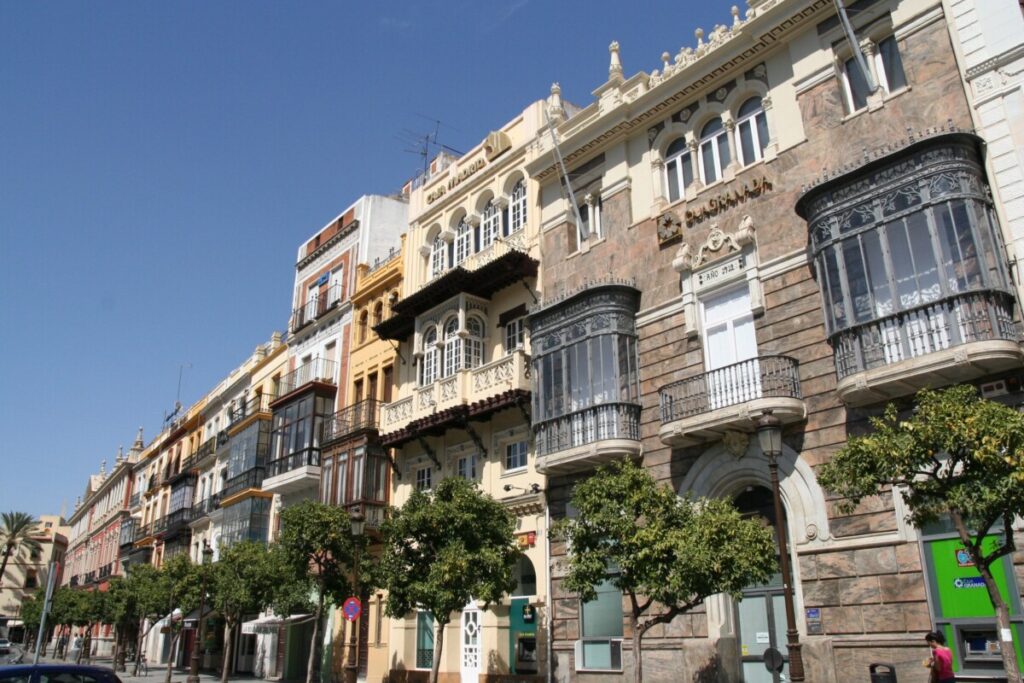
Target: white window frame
x,y
515,337
591,225
877,66
428,367
713,141
674,167
423,478
517,208
438,252
490,225
463,241
750,122
473,344
520,449
451,360
466,466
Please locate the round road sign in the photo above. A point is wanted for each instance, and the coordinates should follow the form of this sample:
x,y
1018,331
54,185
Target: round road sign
x,y
352,609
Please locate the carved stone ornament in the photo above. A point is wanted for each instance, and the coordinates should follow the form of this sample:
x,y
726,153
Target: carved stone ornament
x,y
717,240
736,443
669,227
682,262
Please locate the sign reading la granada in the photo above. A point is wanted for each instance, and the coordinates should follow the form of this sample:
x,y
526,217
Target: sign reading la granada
x,y
455,180
727,200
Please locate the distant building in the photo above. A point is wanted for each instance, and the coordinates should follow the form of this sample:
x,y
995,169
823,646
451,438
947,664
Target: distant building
x,y
27,571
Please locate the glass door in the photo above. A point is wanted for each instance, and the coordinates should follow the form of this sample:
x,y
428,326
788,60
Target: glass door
x,y
729,340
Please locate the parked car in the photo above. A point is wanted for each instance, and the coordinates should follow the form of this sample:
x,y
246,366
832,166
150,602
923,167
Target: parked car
x,y
57,673
5,646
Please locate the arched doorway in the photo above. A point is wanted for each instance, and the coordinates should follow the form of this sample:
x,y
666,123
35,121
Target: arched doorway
x,y
761,614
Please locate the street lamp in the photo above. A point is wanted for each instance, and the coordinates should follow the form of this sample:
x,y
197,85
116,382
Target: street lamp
x,y
769,433
193,669
358,522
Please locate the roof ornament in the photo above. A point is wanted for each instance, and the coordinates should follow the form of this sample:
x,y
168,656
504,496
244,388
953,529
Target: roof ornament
x,y
615,64
555,109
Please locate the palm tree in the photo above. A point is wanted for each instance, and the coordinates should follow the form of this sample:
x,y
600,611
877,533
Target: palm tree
x,y
16,532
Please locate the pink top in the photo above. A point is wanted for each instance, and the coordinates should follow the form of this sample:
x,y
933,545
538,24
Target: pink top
x,y
943,666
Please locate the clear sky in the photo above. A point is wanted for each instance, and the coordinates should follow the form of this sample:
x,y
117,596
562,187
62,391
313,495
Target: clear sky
x,y
160,163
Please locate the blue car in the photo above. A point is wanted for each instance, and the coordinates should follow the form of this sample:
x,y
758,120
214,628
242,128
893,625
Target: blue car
x,y
57,673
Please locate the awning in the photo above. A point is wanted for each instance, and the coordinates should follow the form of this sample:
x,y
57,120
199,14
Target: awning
x,y
271,624
192,620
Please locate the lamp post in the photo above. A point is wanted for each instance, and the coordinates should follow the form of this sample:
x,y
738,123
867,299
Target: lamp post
x,y
358,521
193,669
769,433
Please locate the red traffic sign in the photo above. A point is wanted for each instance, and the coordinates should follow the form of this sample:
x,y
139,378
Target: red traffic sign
x,y
352,609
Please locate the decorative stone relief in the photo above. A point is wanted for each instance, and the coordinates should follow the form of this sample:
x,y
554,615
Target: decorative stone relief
x,y
736,443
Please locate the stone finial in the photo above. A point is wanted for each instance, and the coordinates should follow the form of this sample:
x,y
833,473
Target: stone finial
x,y
120,456
276,339
140,443
555,109
699,35
735,15
615,64
103,467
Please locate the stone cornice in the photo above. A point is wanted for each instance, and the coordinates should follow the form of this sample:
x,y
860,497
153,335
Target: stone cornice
x,y
1011,55
322,249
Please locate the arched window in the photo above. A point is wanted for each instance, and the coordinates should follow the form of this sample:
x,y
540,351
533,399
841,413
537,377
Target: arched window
x,y
490,226
378,313
363,320
474,343
428,365
437,257
678,169
526,578
452,347
463,241
714,150
517,208
751,131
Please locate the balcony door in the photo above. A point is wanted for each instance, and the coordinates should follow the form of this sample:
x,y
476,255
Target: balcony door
x,y
730,348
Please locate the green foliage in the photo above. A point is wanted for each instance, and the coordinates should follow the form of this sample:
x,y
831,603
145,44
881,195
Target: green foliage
x,y
17,531
658,548
179,582
32,611
243,580
316,548
956,453
145,592
443,548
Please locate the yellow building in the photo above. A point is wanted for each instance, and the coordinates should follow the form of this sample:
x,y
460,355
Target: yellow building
x,y
27,571
356,471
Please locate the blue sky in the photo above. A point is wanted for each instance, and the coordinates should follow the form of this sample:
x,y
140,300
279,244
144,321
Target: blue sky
x,y
161,162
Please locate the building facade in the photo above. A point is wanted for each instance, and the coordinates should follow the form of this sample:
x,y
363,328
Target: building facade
x,y
461,407
815,242
27,571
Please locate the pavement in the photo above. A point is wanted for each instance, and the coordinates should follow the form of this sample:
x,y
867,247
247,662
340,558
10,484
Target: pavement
x,y
157,673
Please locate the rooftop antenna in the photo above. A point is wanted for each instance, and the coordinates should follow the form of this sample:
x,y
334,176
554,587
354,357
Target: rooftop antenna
x,y
177,398
426,144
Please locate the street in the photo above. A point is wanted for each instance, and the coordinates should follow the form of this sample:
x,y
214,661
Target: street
x,y
156,673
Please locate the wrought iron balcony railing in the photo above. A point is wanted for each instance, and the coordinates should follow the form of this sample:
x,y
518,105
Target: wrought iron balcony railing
x,y
257,404
89,577
316,370
204,507
748,380
316,307
976,316
208,448
74,580
356,417
596,423
303,458
250,479
135,499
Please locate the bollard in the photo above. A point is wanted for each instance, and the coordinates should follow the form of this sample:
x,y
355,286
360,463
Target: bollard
x,y
886,676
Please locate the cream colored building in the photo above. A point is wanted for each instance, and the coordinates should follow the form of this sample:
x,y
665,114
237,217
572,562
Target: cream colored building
x,y
27,570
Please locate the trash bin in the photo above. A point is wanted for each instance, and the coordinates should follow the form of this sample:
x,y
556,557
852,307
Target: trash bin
x,y
887,675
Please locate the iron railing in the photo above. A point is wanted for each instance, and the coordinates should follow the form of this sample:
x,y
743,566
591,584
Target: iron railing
x,y
135,499
257,404
985,315
204,507
89,577
127,532
754,378
74,580
143,531
356,417
208,448
316,307
596,423
381,261
316,370
303,458
250,479
424,657
106,570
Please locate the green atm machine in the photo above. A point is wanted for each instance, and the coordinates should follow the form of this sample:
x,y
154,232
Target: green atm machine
x,y
961,608
522,628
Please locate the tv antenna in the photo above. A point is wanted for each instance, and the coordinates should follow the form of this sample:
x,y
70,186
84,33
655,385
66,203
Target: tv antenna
x,y
426,145
177,398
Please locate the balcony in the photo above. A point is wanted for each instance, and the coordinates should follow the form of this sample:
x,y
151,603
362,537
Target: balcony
x,y
299,471
316,307
251,479
704,407
134,501
173,523
464,387
587,438
259,404
203,508
155,482
356,418
952,340
318,370
127,532
208,449
188,469
143,532
88,577
106,570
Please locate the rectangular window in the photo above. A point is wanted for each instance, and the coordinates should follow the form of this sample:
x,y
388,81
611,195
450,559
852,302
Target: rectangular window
x,y
423,482
424,640
515,456
601,629
514,335
886,65
465,467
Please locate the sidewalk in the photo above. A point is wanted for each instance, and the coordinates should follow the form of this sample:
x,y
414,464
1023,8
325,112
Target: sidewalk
x,y
157,672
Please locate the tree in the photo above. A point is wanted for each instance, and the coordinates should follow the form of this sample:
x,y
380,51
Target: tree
x,y
32,614
144,586
667,554
179,584
956,456
64,610
17,531
244,581
92,609
123,614
317,549
443,549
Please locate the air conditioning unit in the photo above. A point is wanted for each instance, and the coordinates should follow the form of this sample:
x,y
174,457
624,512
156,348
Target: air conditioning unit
x,y
993,389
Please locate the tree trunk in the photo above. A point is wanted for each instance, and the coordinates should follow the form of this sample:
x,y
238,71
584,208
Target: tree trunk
x,y
638,666
8,549
1009,653
313,667
138,645
173,654
229,643
438,646
116,650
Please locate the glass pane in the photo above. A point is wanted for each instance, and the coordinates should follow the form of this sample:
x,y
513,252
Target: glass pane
x,y
857,83
877,275
835,291
672,173
747,141
857,281
762,130
923,255
603,615
723,151
707,155
892,63
687,163
597,655
754,635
